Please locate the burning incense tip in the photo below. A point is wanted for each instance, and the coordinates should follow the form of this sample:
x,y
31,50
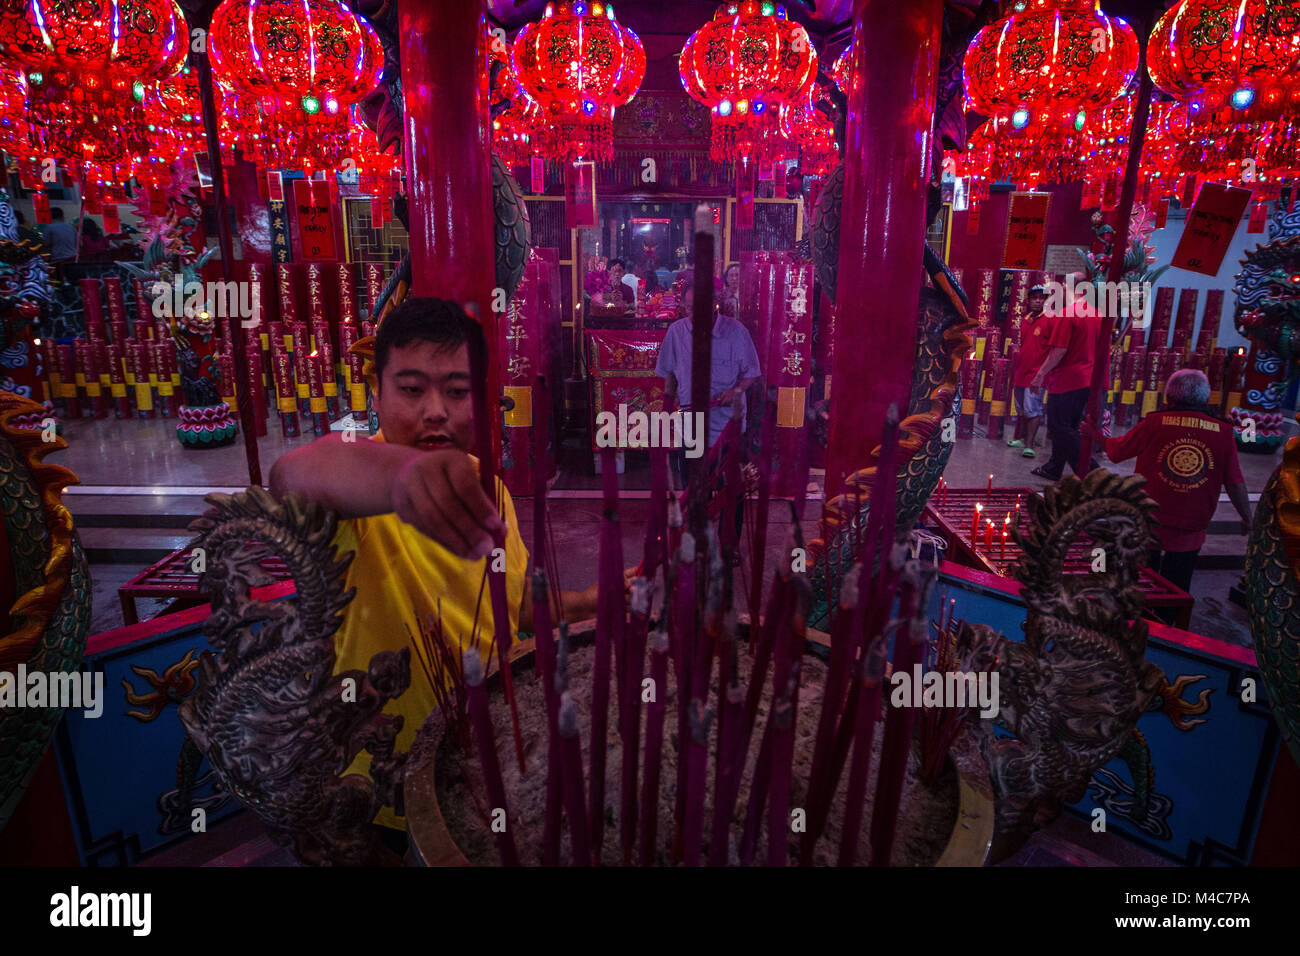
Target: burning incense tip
x,y
568,716
703,218
472,667
686,551
640,596
849,588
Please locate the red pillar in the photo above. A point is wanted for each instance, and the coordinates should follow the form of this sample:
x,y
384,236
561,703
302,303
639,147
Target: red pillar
x,y
887,161
447,144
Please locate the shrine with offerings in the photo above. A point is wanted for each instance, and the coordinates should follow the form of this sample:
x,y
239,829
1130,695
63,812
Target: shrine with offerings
x,y
356,442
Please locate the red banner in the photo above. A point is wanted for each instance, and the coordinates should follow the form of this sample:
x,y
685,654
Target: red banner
x,y
1210,227
580,195
1026,242
315,223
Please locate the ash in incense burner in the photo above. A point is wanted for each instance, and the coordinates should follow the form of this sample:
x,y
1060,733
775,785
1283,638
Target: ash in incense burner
x,y
925,822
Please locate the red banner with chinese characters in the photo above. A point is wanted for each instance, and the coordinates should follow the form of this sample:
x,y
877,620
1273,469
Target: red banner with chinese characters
x,y
986,297
1211,224
524,346
622,371
785,348
1026,241
311,197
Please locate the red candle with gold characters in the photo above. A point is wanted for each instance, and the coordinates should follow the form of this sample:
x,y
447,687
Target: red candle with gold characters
x,y
117,378
140,375
286,399
68,382
374,287
300,350
320,422
162,368
352,368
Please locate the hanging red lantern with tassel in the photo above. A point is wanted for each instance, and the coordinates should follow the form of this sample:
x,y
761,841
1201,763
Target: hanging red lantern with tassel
x,y
86,66
579,64
813,133
1233,66
1036,72
297,66
745,64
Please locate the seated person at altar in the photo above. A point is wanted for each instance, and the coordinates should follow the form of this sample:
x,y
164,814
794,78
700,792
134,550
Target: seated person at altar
x,y
414,513
734,368
620,296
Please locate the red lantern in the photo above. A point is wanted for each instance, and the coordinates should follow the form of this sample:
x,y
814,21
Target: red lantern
x,y
1036,72
295,66
295,48
840,69
86,65
810,129
1062,54
1224,45
745,64
579,63
1234,68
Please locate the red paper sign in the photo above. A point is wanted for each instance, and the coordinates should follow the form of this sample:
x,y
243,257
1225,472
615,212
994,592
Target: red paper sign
x,y
315,223
1162,213
41,207
973,219
1189,191
112,222
745,185
537,170
765,172
1258,217
274,187
1210,226
580,195
1110,194
778,180
1026,242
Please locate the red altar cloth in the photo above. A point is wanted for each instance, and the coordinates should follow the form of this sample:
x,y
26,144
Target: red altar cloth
x,y
622,371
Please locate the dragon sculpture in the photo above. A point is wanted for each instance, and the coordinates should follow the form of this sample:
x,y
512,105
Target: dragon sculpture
x,y
275,722
1268,309
51,582
1072,691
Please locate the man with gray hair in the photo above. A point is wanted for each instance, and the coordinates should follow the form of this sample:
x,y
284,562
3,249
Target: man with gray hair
x,y
1186,455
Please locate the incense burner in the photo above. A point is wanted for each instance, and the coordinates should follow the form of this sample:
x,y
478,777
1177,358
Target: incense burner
x,y
444,830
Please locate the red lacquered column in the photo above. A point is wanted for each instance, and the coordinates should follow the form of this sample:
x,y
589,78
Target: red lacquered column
x,y
447,152
886,160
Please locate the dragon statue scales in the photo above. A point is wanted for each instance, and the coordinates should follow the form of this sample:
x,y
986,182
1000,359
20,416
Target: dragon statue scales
x,y
1072,691
277,725
1268,311
50,580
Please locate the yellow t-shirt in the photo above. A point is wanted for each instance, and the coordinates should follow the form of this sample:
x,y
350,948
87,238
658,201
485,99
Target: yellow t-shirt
x,y
402,579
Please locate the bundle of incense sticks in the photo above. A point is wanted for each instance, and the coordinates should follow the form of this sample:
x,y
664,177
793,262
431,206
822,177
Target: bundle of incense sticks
x,y
692,630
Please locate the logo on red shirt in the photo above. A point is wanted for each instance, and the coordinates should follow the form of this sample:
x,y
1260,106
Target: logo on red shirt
x,y
1187,463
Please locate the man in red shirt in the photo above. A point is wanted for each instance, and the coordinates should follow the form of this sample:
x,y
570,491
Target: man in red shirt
x,y
1035,333
1186,456
1068,372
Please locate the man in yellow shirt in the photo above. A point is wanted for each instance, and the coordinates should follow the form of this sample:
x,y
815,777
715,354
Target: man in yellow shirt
x,y
415,515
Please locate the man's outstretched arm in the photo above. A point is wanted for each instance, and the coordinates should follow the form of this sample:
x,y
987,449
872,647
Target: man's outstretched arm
x,y
436,492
